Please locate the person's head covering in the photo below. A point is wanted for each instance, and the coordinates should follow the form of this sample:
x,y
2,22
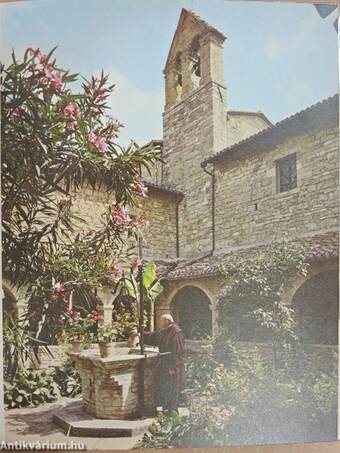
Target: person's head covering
x,y
168,317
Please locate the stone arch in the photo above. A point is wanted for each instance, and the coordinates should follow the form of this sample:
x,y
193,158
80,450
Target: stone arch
x,y
192,309
178,76
316,303
195,61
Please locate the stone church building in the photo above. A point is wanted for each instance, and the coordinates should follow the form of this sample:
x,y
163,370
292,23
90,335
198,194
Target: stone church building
x,y
229,183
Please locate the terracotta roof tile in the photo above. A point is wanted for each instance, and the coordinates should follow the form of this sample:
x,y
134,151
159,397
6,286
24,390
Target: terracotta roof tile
x,y
299,118
163,188
318,248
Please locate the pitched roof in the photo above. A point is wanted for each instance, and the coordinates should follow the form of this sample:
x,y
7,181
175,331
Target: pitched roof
x,y
318,248
305,119
163,189
244,113
184,15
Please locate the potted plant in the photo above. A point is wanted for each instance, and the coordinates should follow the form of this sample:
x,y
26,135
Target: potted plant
x,y
133,338
77,330
107,335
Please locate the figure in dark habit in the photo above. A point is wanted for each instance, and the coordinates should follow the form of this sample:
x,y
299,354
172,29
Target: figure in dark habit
x,y
171,372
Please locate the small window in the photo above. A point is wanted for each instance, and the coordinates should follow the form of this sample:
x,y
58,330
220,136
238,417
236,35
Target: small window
x,y
286,177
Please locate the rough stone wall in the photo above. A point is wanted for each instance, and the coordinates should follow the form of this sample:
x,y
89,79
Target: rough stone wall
x,y
194,127
248,209
159,210
160,237
110,388
241,126
193,130
91,206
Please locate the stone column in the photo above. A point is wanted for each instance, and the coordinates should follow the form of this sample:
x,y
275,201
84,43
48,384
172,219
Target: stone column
x,y
170,87
105,309
188,84
212,58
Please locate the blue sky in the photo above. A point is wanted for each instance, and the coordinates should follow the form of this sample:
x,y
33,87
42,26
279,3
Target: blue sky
x,y
278,58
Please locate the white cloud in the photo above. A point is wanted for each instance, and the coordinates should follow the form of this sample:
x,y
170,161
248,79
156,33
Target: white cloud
x,y
140,111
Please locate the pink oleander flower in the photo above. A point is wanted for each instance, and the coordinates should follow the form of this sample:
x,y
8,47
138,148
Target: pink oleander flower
x,y
101,94
92,137
140,189
135,264
117,269
69,110
71,124
121,216
48,71
57,81
101,145
36,53
43,81
118,272
96,315
99,142
72,113
43,58
77,112
139,222
59,287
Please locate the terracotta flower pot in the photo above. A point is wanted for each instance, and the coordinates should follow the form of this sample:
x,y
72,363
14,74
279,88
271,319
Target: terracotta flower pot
x,y
106,349
133,338
77,345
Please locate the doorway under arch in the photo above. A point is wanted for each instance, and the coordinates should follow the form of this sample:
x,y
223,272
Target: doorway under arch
x,y
191,308
317,306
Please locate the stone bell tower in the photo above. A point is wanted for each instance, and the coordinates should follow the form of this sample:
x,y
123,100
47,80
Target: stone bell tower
x,y
194,125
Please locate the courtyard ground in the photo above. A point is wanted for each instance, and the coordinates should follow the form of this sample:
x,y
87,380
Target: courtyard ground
x,y
35,424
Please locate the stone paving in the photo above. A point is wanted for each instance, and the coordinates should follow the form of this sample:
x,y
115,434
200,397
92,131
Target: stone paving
x,y
35,424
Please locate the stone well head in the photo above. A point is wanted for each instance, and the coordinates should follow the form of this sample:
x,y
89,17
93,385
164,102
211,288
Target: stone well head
x,y
112,387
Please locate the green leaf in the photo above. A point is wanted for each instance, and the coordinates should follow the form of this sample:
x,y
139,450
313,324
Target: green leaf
x,y
149,275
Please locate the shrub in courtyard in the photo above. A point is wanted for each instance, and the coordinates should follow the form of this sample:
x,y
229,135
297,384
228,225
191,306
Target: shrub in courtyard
x,y
68,379
30,388
272,406
237,396
252,402
251,307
